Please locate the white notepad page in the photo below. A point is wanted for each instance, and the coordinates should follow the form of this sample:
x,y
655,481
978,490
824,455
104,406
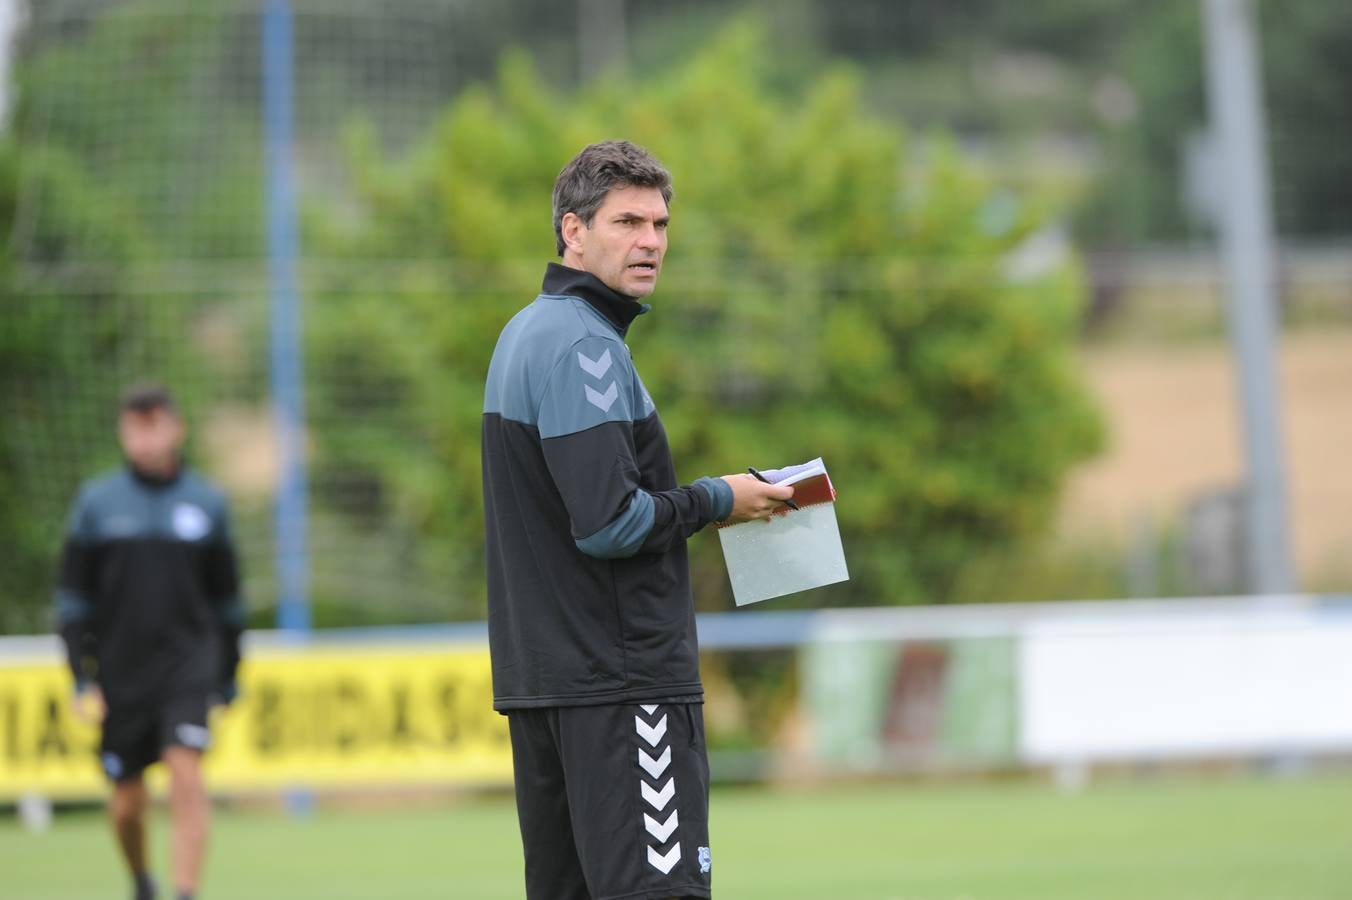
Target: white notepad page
x,y
794,551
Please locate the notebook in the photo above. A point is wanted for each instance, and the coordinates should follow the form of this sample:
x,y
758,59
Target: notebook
x,y
793,550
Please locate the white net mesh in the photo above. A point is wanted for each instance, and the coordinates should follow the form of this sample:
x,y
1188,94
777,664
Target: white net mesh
x,y
140,238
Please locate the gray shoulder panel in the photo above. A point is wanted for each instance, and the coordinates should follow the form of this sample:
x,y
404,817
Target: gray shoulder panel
x,y
538,341
108,503
593,383
78,522
116,507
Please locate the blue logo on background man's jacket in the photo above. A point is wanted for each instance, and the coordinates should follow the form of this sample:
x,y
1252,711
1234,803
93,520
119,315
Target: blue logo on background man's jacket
x,y
190,522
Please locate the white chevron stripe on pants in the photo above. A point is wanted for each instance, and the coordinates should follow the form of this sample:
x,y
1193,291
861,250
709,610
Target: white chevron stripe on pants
x,y
660,825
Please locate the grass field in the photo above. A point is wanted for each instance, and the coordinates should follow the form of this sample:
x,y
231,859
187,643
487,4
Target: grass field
x,y
1163,838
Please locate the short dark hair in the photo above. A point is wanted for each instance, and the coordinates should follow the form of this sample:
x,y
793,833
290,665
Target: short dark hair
x,y
582,185
147,397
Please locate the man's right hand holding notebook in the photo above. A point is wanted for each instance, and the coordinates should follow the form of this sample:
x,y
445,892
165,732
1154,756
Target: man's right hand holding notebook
x,y
754,499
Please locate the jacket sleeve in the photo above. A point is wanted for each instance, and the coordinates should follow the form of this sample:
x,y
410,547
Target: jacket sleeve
x,y
222,580
586,428
76,595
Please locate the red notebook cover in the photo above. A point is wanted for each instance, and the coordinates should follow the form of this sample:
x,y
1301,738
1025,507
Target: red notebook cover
x,y
817,489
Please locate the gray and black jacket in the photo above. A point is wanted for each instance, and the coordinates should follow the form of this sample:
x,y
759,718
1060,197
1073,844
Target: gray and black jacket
x,y
148,599
588,583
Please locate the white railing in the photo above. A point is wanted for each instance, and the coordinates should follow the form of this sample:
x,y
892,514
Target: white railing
x,y
1061,684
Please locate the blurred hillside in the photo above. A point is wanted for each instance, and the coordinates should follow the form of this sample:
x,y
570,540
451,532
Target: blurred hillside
x,y
1173,422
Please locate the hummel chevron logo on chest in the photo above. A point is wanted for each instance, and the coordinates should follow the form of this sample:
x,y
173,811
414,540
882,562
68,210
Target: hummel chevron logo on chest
x,y
596,368
601,401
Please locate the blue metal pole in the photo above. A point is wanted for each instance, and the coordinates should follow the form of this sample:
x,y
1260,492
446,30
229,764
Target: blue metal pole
x,y
293,607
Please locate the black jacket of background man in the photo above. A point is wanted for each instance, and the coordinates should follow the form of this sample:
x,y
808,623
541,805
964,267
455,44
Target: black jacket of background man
x,y
148,600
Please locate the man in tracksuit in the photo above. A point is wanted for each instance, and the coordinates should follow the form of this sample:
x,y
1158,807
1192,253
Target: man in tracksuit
x,y
590,617
148,604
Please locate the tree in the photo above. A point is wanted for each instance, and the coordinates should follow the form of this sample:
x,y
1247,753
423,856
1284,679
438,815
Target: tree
x,y
54,343
96,188
825,294
1305,51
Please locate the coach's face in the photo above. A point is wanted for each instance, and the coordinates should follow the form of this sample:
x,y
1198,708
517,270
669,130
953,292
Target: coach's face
x,y
151,440
625,242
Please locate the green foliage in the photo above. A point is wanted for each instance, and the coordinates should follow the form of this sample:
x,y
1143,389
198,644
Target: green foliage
x,y
1307,67
98,185
931,63
47,336
823,295
132,96
1305,51
112,170
832,289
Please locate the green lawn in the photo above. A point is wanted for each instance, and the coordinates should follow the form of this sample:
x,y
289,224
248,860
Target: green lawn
x,y
1165,838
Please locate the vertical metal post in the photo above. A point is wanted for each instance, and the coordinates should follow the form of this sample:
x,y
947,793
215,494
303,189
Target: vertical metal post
x,y
293,608
13,16
1234,97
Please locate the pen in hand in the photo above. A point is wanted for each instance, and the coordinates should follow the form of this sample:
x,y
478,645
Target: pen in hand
x,y
759,477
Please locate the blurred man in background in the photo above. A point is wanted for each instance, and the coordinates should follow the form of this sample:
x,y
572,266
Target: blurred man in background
x,y
148,605
590,616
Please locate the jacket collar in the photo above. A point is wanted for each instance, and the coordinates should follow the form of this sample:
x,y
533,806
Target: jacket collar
x,y
618,309
154,481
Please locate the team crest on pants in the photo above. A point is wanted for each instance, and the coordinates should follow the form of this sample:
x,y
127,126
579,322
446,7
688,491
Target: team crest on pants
x,y
706,861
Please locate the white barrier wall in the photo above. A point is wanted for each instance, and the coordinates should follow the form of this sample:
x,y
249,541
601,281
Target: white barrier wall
x,y
1083,682
1140,684
882,689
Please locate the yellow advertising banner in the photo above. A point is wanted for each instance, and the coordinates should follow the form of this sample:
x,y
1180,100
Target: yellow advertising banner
x,y
319,716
